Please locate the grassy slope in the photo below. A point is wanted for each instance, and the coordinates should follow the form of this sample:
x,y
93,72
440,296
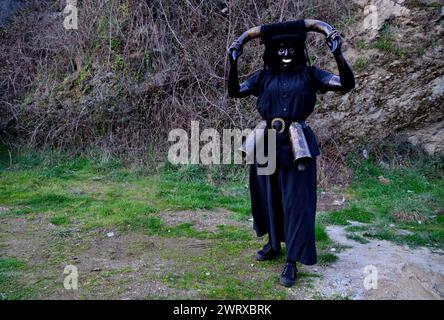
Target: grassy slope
x,y
83,193
398,203
87,194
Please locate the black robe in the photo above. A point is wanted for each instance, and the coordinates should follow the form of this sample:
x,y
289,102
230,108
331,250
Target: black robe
x,y
284,203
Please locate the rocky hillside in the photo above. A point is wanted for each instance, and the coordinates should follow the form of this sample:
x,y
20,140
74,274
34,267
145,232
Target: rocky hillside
x,y
135,69
399,68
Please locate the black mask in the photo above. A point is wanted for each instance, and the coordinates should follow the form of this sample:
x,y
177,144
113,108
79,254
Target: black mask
x,y
286,53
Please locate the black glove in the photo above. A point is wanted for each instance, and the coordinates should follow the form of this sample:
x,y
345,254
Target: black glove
x,y
235,50
334,41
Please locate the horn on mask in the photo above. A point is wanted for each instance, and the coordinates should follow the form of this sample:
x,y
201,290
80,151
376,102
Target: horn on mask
x,y
309,25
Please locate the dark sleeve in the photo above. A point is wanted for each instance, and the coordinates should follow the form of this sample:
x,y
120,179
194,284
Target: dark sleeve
x,y
252,84
321,79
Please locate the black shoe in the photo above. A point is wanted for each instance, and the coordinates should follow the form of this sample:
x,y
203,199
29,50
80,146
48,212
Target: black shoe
x,y
289,275
267,253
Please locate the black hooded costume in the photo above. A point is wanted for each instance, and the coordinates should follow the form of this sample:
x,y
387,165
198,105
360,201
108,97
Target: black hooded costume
x,y
284,203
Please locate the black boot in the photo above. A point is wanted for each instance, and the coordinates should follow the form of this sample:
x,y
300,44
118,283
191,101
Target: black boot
x,y
289,274
267,253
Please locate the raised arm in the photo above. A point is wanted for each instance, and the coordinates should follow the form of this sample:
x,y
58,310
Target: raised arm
x,y
236,90
346,80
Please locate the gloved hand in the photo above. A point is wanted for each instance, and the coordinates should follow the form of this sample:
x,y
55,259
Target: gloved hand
x,y
235,50
334,41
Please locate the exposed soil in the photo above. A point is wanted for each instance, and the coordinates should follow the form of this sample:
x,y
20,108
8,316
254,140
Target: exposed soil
x,y
127,266
203,220
134,265
403,272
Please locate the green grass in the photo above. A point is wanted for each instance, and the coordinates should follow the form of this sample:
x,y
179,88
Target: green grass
x,y
387,43
412,201
60,220
324,244
10,288
354,213
105,194
362,44
361,64
227,271
326,258
357,238
69,190
80,194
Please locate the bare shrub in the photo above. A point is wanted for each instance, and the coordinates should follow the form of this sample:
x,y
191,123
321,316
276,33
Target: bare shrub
x,y
136,69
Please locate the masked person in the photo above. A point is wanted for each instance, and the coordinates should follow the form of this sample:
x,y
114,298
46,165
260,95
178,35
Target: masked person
x,y
284,203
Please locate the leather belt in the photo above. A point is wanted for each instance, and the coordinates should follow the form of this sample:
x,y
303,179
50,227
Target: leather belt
x,y
281,125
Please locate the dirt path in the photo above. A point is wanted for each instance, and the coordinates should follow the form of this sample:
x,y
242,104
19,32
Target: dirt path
x,y
403,272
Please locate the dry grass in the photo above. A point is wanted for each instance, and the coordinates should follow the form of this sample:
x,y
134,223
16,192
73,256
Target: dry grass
x,y
409,216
